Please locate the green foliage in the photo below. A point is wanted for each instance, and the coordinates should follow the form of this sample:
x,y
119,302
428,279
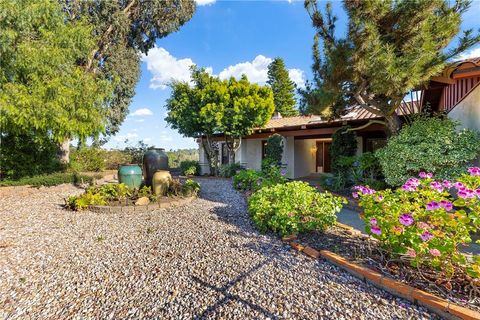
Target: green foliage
x,y
175,157
342,150
114,158
212,106
274,148
292,208
372,64
426,221
190,188
24,155
190,168
428,144
47,180
136,152
283,88
87,159
229,170
42,89
246,180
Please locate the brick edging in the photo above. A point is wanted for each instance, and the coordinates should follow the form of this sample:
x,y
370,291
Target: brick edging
x,y
166,203
432,302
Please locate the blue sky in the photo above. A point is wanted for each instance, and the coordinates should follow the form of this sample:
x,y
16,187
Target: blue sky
x,y
228,38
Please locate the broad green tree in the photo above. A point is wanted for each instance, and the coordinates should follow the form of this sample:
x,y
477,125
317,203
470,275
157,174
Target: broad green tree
x,y
124,31
43,90
391,48
210,106
283,88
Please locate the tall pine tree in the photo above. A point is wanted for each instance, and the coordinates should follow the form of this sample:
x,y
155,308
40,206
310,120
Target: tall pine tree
x,y
283,88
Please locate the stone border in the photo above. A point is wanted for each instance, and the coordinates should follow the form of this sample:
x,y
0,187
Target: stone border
x,y
165,203
435,304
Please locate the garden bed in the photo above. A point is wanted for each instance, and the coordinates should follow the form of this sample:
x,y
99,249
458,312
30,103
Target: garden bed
x,y
366,251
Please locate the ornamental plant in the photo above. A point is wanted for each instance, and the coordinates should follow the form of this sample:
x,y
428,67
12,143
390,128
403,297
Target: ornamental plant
x,y
251,180
292,208
425,220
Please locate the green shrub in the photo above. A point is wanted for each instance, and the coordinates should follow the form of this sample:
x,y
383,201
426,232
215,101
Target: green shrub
x,y
190,188
48,180
27,155
190,168
87,159
342,149
425,221
292,208
246,180
114,158
229,170
274,148
428,144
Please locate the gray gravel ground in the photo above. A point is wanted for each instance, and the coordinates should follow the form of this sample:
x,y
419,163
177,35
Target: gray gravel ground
x,y
203,260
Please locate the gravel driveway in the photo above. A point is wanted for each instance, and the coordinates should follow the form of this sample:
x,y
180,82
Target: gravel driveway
x,y
202,260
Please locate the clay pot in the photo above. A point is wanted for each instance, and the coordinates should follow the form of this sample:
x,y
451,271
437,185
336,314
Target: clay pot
x,y
161,181
153,160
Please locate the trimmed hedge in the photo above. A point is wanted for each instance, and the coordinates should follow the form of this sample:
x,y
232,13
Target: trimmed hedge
x,y
47,180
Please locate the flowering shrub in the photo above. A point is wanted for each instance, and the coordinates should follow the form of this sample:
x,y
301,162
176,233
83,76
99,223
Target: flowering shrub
x,y
293,207
245,180
425,220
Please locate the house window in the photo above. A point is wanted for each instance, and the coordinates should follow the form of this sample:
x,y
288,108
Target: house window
x,y
264,149
225,154
373,144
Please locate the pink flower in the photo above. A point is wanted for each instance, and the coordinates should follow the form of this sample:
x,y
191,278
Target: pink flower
x,y
414,182
474,171
408,187
466,193
373,221
447,205
376,230
406,219
458,185
433,205
411,253
425,175
423,225
364,190
435,252
447,184
435,185
355,195
477,192
426,236
380,198
283,172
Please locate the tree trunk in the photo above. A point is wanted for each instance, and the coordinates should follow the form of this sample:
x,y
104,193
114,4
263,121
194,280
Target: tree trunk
x,y
63,153
210,150
232,145
394,124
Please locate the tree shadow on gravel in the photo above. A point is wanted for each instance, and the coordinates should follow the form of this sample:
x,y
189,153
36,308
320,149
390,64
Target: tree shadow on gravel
x,y
227,296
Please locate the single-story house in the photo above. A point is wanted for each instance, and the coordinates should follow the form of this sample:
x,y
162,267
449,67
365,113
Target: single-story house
x,y
307,138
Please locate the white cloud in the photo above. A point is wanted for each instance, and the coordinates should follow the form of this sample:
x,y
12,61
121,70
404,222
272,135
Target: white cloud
x,y
472,53
205,2
140,120
297,76
122,138
147,139
142,112
257,71
165,68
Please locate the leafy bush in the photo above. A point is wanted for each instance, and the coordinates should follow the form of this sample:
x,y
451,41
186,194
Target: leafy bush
x,y
190,188
292,208
428,144
246,180
190,168
229,170
52,179
114,158
87,159
426,220
27,155
344,144
274,149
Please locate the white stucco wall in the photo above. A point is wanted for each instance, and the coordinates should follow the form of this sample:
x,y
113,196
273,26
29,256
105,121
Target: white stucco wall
x,y
202,159
252,153
304,158
468,111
